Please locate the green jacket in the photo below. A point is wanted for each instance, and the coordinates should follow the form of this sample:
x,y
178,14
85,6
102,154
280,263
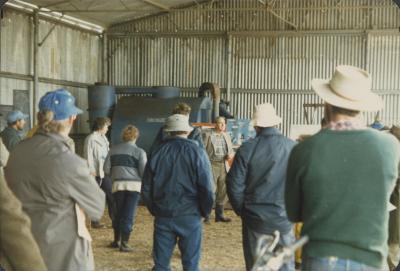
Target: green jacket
x,y
339,184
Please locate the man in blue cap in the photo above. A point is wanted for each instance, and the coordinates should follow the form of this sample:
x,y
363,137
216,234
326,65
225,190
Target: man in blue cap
x,y
55,186
12,134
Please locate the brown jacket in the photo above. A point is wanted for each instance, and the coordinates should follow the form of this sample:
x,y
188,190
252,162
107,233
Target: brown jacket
x,y
18,249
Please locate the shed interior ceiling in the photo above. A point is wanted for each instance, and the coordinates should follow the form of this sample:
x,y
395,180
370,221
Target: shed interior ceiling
x,y
109,12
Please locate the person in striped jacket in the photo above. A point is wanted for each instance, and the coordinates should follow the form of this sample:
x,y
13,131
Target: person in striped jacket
x,y
125,165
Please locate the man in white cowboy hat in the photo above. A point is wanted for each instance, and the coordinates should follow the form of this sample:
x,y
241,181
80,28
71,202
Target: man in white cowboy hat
x,y
339,181
177,189
255,184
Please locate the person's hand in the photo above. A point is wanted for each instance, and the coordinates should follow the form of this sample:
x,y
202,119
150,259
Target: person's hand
x,y
93,174
229,156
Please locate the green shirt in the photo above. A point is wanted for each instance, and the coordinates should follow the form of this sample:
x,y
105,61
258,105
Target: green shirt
x,y
339,184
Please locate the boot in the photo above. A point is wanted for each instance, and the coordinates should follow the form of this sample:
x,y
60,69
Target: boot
x,y
207,220
219,214
97,225
117,239
124,243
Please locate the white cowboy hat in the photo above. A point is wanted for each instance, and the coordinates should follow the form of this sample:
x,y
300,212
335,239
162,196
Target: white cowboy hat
x,y
177,123
349,88
265,116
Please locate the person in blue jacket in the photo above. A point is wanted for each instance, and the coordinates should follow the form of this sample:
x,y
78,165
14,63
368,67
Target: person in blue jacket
x,y
177,190
256,184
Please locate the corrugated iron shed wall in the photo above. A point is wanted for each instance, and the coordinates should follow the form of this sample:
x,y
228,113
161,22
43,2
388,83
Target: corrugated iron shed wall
x,y
67,54
259,57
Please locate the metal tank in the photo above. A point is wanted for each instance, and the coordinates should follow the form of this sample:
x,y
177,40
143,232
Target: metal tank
x,y
101,100
148,114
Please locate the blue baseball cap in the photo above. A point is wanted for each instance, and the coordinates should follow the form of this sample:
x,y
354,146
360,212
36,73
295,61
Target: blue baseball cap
x,y
16,115
61,102
377,125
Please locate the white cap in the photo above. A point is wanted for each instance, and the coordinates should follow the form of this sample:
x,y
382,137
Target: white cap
x,y
177,123
265,116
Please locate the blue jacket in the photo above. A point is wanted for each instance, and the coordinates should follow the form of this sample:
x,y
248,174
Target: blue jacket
x,y
255,183
11,137
177,180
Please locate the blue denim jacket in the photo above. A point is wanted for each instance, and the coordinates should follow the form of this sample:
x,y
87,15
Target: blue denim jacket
x,y
177,180
256,181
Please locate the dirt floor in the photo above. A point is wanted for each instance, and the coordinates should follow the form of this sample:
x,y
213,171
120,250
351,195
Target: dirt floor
x,y
221,251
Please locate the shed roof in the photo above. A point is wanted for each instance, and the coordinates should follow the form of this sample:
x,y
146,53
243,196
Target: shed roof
x,y
108,12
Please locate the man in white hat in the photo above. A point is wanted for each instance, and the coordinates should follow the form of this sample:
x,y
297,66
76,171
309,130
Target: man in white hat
x,y
339,181
255,184
177,189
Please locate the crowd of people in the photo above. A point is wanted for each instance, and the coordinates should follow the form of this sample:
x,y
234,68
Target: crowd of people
x,y
339,183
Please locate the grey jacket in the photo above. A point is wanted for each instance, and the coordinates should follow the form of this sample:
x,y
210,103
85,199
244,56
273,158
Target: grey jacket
x,y
3,156
95,150
18,249
10,137
51,181
125,162
210,143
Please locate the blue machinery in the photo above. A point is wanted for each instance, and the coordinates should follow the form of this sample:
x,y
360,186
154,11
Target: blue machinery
x,y
147,108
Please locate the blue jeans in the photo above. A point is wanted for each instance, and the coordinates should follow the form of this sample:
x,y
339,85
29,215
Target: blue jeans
x,y
106,185
184,230
126,205
249,240
335,264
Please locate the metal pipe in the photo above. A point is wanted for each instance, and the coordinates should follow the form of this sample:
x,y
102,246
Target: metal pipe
x,y
25,77
205,10
229,67
216,94
35,64
104,69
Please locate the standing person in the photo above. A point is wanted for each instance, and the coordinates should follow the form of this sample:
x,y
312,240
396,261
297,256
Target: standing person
x,y
256,182
18,249
177,190
55,187
125,164
95,151
195,134
394,217
219,149
339,180
12,134
3,156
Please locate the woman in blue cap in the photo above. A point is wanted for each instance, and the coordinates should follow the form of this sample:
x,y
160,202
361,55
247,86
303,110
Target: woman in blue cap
x,y
55,187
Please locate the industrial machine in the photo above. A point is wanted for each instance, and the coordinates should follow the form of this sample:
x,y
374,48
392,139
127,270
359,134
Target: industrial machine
x,y
148,107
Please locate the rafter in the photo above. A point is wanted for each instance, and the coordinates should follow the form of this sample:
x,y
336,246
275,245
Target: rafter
x,y
56,3
156,4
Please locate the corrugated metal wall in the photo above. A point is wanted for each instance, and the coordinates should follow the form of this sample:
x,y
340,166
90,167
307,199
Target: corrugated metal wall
x,y
166,61
67,54
258,57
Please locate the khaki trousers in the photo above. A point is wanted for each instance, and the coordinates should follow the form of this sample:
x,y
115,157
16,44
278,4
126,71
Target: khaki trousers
x,y
219,176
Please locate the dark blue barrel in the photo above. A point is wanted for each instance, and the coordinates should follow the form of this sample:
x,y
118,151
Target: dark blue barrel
x,y
166,92
101,101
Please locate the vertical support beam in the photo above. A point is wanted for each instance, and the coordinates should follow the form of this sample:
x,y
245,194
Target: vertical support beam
x,y
104,76
228,66
35,64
